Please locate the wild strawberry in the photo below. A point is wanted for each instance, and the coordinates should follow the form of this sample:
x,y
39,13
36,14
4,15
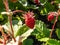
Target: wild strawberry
x,y
29,19
50,17
36,1
14,1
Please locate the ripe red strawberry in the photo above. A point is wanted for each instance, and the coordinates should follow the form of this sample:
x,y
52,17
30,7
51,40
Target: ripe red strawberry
x,y
36,1
50,17
29,19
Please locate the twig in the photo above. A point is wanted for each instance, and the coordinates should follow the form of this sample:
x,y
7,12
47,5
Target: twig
x,y
10,20
9,17
3,34
17,11
53,26
54,23
6,5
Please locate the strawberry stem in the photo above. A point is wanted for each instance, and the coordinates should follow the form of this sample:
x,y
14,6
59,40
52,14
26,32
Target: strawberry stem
x,y
54,23
9,17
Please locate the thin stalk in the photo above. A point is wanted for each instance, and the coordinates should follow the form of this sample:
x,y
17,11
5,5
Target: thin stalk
x,y
53,26
9,17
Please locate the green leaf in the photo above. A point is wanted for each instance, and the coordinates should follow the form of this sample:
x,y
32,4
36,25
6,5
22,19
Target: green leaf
x,y
41,30
49,7
1,6
58,33
26,34
41,27
44,11
44,39
21,30
58,1
28,42
1,18
53,42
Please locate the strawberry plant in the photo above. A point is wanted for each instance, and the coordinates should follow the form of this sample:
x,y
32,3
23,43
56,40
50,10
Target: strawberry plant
x,y
30,22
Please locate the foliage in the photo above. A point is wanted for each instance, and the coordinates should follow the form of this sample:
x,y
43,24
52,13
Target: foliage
x,y
47,32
